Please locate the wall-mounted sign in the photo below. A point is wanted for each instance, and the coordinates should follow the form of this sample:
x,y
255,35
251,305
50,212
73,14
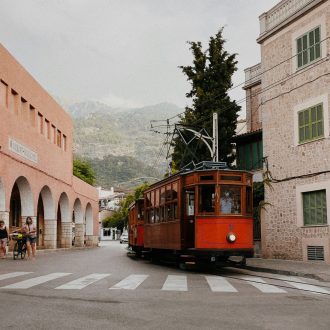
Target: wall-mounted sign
x,y
22,150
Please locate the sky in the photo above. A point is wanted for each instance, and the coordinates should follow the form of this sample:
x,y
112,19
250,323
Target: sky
x,y
125,53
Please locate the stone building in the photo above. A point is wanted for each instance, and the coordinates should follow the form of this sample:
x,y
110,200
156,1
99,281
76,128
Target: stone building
x,y
36,163
294,41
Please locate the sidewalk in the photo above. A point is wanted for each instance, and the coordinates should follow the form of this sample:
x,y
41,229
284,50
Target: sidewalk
x,y
311,269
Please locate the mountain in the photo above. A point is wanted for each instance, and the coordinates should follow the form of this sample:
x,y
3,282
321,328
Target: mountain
x,y
104,134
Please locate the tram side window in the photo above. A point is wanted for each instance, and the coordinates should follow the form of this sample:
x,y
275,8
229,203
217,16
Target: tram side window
x,y
249,200
206,198
230,199
190,202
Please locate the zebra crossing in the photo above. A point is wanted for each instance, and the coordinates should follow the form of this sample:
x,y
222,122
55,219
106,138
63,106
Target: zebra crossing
x,y
174,283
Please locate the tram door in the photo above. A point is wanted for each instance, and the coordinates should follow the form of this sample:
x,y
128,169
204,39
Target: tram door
x,y
189,218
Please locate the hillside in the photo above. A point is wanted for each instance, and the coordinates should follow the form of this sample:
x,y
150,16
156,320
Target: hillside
x,y
118,142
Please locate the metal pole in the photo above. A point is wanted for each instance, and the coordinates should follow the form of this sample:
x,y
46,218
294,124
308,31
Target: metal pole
x,y
215,148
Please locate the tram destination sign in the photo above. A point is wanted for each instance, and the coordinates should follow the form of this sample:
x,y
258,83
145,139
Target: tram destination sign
x,y
23,151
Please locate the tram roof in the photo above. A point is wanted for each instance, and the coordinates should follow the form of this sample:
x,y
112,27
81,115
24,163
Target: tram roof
x,y
200,167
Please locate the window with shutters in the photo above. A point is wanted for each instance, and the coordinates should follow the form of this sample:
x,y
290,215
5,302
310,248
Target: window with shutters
x,y
309,47
315,208
310,123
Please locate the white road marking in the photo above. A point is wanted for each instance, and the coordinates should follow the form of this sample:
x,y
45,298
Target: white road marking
x,y
219,284
82,282
11,275
130,283
175,283
35,281
261,285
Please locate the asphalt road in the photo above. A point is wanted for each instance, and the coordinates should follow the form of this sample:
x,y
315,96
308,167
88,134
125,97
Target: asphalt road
x,y
102,288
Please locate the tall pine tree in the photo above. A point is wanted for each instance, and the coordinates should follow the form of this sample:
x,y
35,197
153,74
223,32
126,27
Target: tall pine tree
x,y
211,78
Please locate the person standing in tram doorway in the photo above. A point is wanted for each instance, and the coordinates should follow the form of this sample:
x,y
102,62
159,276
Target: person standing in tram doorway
x,y
226,203
3,239
30,231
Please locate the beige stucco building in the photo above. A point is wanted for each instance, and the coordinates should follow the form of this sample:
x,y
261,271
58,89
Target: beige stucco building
x,y
294,101
36,163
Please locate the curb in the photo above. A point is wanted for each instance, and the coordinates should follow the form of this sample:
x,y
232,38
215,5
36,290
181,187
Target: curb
x,y
285,272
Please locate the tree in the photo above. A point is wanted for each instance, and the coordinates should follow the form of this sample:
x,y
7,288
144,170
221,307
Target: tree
x,y
83,170
211,78
119,219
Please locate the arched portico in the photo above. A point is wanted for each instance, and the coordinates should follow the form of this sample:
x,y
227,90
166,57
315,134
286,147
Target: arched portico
x,y
64,222
79,224
89,224
21,203
46,220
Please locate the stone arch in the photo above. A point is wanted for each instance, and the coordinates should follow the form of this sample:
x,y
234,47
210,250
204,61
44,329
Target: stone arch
x,y
64,222
79,226
46,222
78,212
21,203
89,219
48,201
64,208
27,206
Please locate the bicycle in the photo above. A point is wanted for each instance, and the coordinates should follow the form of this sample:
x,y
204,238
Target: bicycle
x,y
20,245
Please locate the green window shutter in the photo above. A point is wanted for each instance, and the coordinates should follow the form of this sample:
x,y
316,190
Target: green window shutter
x,y
317,43
310,124
299,52
308,47
315,208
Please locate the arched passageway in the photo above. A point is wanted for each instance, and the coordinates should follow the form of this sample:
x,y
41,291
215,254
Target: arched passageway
x,y
21,203
64,222
89,224
40,223
46,220
79,226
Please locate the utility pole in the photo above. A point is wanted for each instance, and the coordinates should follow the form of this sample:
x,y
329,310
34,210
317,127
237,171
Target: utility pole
x,y
215,142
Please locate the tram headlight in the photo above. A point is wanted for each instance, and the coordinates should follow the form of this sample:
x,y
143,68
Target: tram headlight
x,y
231,237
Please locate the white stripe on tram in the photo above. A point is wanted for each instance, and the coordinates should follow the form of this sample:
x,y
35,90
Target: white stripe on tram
x,y
82,282
219,284
261,285
175,283
131,282
11,275
35,281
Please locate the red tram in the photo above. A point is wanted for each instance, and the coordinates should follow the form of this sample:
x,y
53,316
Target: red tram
x,y
201,215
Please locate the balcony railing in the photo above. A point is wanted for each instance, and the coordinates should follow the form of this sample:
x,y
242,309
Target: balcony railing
x,y
252,74
281,12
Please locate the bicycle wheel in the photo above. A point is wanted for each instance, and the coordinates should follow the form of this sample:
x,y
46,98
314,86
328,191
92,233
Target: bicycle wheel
x,y
15,251
23,251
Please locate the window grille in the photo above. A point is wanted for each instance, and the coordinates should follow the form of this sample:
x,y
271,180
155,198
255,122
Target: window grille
x,y
315,253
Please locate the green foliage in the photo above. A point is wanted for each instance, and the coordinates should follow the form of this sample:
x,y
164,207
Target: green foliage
x,y
120,218
118,170
211,78
83,170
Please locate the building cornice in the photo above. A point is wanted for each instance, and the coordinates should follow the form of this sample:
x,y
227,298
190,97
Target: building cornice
x,y
283,14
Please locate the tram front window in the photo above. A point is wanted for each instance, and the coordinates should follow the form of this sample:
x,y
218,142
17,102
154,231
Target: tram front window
x,y
230,199
206,198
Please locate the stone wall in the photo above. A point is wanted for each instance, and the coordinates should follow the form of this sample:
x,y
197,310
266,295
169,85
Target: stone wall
x,y
286,91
